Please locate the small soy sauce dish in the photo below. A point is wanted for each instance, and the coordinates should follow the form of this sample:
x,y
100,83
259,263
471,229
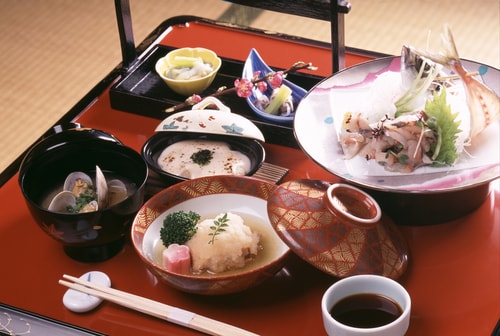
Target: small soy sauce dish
x,y
366,304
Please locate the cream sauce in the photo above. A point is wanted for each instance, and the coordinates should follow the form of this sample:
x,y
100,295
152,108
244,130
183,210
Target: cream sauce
x,y
176,159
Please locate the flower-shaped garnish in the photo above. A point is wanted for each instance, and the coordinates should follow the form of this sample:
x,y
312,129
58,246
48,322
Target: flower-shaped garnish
x,y
244,86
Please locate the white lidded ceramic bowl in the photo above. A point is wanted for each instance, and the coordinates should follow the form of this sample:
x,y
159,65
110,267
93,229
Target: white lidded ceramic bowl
x,y
208,121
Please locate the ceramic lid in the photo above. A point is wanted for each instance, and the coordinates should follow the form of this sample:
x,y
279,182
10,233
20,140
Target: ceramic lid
x,y
201,120
337,228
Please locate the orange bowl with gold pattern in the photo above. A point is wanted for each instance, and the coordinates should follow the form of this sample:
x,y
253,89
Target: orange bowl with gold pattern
x,y
209,196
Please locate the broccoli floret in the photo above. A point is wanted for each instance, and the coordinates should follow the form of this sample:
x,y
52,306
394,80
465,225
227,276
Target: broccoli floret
x,y
179,227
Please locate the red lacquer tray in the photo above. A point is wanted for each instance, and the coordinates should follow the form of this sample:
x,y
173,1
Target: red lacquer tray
x,y
453,276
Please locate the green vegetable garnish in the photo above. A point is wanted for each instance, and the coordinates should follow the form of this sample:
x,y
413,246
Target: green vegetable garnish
x,y
186,61
87,196
418,86
202,157
274,105
218,227
445,126
178,227
403,158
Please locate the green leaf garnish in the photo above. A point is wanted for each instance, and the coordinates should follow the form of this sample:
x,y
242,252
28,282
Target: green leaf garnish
x,y
219,226
178,227
202,157
88,195
446,128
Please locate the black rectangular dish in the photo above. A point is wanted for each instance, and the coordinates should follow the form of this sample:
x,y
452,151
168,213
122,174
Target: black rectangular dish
x,y
142,91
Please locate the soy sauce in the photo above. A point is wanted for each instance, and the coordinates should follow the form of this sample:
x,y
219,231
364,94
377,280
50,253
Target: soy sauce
x,y
366,311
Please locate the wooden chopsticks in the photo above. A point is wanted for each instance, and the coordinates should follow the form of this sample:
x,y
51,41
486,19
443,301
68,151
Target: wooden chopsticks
x,y
147,306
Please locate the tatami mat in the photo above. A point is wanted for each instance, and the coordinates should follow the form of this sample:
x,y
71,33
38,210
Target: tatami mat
x,y
55,51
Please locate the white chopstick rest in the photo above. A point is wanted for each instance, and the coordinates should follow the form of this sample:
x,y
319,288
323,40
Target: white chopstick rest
x,y
79,302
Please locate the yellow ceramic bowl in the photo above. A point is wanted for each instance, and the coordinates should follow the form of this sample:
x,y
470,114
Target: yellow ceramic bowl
x,y
179,57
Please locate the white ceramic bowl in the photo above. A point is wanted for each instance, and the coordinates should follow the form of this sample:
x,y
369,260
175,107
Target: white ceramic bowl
x,y
204,123
366,284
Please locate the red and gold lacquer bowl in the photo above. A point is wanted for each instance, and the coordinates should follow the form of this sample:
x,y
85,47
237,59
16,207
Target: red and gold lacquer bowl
x,y
209,196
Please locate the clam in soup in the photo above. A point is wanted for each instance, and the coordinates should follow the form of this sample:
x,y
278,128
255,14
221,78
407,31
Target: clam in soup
x,y
80,193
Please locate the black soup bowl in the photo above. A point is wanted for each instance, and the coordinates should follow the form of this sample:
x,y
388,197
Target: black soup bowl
x,y
91,236
155,145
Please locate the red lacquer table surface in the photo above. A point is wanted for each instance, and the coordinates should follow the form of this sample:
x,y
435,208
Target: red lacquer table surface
x,y
453,276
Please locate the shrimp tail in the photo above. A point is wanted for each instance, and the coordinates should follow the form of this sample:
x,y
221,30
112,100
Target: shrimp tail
x,y
483,103
450,48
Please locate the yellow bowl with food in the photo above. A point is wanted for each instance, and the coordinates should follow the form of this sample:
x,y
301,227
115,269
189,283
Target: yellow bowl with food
x,y
218,233
188,71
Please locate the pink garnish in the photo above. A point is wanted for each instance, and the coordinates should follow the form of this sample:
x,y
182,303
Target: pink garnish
x,y
256,75
261,86
276,79
243,87
193,99
177,259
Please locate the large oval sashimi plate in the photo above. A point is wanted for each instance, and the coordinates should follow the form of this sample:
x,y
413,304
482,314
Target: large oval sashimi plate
x,y
317,124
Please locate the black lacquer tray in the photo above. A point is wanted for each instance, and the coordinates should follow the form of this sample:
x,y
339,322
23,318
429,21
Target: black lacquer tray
x,y
15,321
142,91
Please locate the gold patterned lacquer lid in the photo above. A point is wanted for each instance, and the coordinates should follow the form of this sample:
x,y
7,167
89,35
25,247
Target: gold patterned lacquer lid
x,y
341,238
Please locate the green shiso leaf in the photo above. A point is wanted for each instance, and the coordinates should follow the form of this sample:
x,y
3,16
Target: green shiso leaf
x,y
445,126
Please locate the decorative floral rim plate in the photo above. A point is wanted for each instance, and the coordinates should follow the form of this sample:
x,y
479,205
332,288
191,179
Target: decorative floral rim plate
x,y
317,120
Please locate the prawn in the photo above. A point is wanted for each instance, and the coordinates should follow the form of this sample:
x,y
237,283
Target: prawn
x,y
483,103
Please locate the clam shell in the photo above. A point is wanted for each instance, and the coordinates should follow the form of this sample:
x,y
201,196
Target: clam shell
x,y
90,207
61,201
101,188
117,192
69,183
106,194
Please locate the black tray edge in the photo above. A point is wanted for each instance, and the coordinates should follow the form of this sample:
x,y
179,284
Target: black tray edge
x,y
116,73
